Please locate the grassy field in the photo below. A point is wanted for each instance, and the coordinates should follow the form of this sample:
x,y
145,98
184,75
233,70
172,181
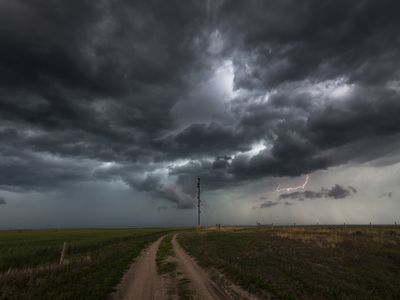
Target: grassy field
x,y
93,264
304,263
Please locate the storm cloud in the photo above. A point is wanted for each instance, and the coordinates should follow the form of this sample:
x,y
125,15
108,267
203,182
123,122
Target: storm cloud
x,y
268,204
154,94
336,192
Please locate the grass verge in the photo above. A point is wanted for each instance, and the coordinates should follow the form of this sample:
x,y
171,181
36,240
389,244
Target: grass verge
x,y
178,285
164,253
184,291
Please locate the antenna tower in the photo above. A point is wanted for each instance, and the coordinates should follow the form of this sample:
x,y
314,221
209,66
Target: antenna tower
x,y
198,202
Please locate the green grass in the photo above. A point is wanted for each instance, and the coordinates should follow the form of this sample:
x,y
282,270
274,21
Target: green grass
x,y
184,291
164,252
95,261
304,263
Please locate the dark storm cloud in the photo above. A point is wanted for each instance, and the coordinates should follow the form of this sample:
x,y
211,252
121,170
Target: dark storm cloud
x,y
336,192
2,201
290,155
386,194
268,204
84,83
182,196
204,139
353,189
28,171
101,47
370,112
108,72
289,41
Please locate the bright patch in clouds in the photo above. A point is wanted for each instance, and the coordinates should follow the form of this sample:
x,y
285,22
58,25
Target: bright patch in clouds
x,y
256,148
224,76
336,88
107,165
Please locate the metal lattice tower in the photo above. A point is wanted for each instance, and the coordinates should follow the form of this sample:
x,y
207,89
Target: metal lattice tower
x,y
198,202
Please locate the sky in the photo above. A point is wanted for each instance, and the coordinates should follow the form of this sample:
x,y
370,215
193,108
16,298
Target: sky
x,y
110,110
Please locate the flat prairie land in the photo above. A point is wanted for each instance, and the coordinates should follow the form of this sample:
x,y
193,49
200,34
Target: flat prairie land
x,y
94,261
303,262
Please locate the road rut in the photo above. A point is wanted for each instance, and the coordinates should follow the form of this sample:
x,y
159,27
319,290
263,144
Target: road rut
x,y
141,281
205,288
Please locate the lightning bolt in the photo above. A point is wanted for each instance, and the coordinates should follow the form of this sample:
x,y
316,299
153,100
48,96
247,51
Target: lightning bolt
x,y
294,188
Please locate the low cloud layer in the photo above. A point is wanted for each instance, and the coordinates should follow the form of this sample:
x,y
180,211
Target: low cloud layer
x,y
336,192
268,204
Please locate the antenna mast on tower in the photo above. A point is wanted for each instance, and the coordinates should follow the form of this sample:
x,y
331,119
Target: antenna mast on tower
x,y
198,202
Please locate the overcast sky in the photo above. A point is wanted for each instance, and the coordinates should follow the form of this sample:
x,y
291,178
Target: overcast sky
x,y
110,110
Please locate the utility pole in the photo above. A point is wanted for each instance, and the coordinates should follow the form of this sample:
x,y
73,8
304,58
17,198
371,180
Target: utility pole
x,y
198,202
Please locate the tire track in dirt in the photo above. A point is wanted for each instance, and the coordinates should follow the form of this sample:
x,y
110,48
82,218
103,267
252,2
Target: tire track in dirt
x,y
141,281
205,288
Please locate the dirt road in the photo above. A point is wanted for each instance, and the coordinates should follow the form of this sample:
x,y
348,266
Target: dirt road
x,y
142,281
205,288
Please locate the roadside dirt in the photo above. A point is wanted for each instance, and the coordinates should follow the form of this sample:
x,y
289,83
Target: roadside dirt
x,y
141,281
200,280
